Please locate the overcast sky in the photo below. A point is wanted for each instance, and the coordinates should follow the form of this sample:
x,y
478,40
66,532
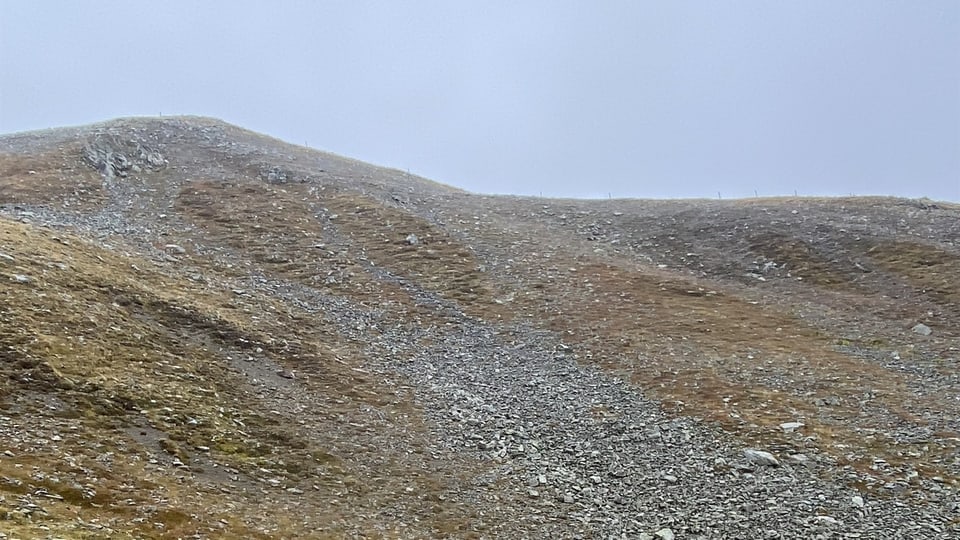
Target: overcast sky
x,y
627,98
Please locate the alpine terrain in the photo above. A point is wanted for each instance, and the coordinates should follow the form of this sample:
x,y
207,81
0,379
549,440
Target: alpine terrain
x,y
209,333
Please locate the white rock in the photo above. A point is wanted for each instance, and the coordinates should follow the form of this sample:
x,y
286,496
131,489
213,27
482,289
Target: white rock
x,y
5,257
857,501
790,427
20,278
412,239
760,457
174,248
665,534
826,520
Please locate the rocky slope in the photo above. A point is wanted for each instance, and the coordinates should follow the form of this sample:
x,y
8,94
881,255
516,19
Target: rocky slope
x,y
208,333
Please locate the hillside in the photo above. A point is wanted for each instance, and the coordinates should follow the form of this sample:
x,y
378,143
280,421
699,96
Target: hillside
x,y
209,333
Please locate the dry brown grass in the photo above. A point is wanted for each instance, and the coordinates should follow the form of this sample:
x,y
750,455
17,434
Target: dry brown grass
x,y
931,270
51,178
438,262
141,366
706,351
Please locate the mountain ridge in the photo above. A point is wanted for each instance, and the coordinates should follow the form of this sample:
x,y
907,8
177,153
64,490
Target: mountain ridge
x,y
432,354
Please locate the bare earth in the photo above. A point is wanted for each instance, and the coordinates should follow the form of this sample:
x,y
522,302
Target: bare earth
x,y
208,333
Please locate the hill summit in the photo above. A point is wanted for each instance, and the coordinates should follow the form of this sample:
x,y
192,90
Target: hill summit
x,y
209,333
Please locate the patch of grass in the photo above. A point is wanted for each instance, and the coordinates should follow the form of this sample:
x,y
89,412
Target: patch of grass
x,y
119,342
935,272
54,177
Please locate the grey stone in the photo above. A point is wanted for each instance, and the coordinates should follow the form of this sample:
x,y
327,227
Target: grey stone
x,y
155,159
665,534
760,457
412,239
826,521
922,329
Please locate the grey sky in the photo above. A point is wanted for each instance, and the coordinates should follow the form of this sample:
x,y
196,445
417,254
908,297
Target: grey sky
x,y
631,98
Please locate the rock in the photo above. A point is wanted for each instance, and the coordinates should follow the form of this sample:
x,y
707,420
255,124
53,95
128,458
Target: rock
x,y
568,498
533,493
174,248
20,278
760,457
6,258
857,501
829,401
275,175
412,239
790,427
665,534
922,329
645,536
617,472
670,479
155,159
826,520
